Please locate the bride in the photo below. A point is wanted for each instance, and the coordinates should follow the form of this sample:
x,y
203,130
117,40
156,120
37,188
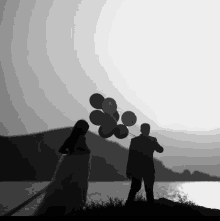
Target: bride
x,y
67,191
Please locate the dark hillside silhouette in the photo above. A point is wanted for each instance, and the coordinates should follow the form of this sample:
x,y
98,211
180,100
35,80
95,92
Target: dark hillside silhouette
x,y
13,165
33,157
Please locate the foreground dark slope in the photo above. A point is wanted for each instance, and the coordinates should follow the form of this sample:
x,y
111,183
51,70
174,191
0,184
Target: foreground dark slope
x,y
33,157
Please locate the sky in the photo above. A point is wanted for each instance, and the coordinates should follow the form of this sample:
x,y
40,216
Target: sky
x,y
159,59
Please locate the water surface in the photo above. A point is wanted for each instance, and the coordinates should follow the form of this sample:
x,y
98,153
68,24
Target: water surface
x,y
205,194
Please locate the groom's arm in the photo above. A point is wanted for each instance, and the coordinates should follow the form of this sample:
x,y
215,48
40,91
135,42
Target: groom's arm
x,y
157,146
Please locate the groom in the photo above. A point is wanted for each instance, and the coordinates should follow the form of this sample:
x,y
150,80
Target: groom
x,y
141,164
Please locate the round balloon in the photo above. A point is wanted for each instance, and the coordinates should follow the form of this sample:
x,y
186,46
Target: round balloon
x,y
108,123
104,133
96,101
128,118
96,117
121,131
109,105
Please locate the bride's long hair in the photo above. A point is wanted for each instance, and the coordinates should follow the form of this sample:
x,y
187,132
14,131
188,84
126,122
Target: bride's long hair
x,y
79,131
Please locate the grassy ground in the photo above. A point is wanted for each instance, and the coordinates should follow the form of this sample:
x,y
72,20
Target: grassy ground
x,y
140,207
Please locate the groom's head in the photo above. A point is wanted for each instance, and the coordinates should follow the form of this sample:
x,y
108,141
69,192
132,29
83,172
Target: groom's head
x,y
145,129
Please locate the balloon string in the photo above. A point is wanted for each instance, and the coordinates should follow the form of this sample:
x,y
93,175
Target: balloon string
x,y
120,109
132,134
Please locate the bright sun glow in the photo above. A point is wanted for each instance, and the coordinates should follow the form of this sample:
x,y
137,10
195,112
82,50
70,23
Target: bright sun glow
x,y
168,53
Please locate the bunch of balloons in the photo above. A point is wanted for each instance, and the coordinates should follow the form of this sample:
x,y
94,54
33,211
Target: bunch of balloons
x,y
106,117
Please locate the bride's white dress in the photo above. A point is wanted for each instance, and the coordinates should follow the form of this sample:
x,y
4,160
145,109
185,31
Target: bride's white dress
x,y
69,184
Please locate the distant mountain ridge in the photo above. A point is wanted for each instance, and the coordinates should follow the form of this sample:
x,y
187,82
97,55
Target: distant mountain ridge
x,y
34,157
190,151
